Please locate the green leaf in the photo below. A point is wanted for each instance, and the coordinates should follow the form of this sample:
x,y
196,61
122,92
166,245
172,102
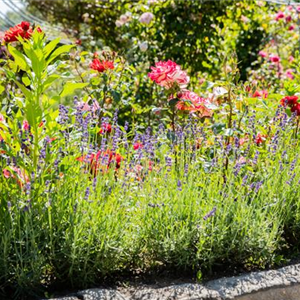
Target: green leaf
x,y
19,58
2,89
25,91
49,81
116,95
95,81
50,47
26,80
70,87
59,51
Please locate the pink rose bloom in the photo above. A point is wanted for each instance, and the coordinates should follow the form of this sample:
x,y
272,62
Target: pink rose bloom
x,y
1,118
168,73
298,8
146,18
262,53
197,104
274,58
289,73
26,125
279,15
292,27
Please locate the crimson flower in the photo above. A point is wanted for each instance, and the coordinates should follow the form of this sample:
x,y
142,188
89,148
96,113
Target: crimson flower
x,y
289,101
101,66
22,30
259,139
102,160
260,94
137,146
292,102
105,128
296,109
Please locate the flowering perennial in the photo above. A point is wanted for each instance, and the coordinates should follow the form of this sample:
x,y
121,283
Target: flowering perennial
x,y
101,66
168,74
22,30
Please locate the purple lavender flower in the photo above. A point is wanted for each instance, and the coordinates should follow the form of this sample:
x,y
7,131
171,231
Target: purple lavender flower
x,y
210,214
87,193
179,185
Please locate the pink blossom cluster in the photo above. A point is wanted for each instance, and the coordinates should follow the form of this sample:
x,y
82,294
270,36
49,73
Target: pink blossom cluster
x,y
168,74
194,103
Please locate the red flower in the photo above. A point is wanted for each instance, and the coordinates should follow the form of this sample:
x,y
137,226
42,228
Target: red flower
x,y
289,101
101,66
260,94
259,139
19,175
25,26
78,42
105,128
296,108
21,30
137,146
101,161
6,173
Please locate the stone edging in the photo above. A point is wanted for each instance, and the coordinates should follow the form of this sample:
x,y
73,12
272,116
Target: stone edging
x,y
281,284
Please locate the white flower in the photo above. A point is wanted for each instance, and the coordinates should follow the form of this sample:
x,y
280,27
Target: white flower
x,y
143,46
146,18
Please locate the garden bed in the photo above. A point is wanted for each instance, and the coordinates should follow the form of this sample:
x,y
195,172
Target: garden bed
x,y
281,284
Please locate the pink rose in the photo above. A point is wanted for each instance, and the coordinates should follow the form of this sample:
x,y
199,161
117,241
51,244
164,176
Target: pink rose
x,y
262,53
1,118
195,104
292,27
288,19
289,73
146,18
168,73
274,58
279,15
291,58
26,125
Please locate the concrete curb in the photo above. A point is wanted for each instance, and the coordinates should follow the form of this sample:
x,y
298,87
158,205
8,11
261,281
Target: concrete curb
x,y
281,284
